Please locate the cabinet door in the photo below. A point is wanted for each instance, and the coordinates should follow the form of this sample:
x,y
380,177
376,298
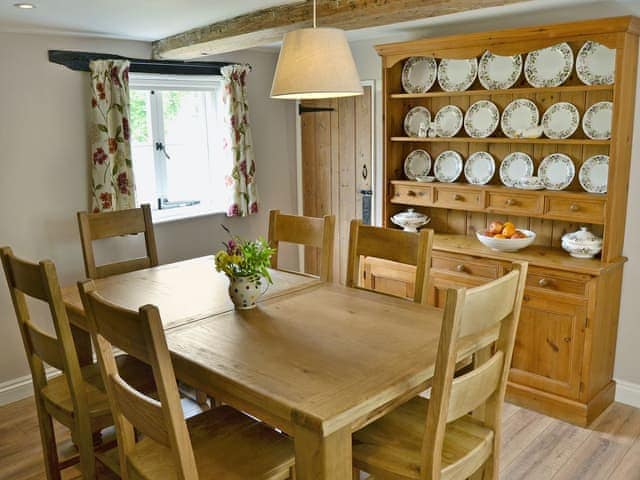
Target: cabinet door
x,y
549,342
388,277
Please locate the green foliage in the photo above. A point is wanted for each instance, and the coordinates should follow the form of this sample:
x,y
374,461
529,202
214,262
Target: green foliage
x,y
139,115
245,258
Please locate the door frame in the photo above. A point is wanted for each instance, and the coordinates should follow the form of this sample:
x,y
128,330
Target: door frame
x,y
376,184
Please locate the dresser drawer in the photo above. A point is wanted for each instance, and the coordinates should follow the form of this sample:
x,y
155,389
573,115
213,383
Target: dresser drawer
x,y
412,195
515,203
464,264
585,210
557,281
458,198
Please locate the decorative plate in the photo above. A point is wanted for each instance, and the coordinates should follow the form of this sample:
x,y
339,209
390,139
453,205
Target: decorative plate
x,y
414,118
596,64
457,75
557,171
549,67
560,120
515,166
518,117
448,166
419,74
594,174
479,168
498,72
482,119
417,164
448,121
596,122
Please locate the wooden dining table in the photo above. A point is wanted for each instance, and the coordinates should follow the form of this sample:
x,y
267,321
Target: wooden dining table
x,y
314,359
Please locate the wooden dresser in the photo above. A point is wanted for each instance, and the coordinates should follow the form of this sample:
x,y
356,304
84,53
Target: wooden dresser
x,y
565,350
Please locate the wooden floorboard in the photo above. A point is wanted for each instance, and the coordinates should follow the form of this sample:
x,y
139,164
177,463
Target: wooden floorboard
x,y
536,447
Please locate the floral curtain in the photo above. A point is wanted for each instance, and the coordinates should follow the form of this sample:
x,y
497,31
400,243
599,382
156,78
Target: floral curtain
x,y
112,185
242,180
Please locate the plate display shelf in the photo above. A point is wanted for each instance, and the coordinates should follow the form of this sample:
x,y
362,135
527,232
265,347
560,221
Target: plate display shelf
x,y
563,362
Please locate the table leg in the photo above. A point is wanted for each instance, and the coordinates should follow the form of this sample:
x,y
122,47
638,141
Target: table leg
x,y
321,457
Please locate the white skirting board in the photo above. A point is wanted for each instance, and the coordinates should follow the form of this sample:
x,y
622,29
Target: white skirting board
x,y
628,393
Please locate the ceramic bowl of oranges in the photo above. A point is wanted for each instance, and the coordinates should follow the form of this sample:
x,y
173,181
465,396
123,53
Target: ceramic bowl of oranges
x,y
505,237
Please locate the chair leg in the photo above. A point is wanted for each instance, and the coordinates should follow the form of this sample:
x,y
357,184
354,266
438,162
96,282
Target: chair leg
x,y
202,400
292,473
49,448
356,474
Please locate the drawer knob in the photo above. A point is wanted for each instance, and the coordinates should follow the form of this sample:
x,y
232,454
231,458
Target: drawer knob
x,y
544,282
511,202
421,194
574,207
461,268
411,193
458,197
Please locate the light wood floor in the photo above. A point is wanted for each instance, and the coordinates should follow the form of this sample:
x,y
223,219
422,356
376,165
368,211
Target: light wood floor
x,y
535,447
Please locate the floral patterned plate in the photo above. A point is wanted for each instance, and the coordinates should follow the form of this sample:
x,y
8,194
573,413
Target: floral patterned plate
x,y
515,166
498,72
596,122
557,171
448,166
479,168
448,121
596,64
594,174
560,120
457,75
414,118
419,74
482,119
518,117
417,164
549,67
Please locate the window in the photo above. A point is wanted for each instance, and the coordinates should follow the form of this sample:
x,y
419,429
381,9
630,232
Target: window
x,y
176,141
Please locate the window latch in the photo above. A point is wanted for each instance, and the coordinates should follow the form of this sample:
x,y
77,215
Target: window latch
x,y
161,148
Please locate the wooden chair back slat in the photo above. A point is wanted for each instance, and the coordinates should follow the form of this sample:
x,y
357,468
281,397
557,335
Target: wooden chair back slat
x,y
45,346
394,245
472,319
162,420
97,226
494,300
27,278
143,412
471,390
307,231
123,267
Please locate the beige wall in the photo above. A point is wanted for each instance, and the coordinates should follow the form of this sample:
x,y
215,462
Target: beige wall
x,y
43,175
628,356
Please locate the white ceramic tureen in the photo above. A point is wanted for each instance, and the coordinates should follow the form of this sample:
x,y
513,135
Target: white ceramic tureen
x,y
410,220
582,244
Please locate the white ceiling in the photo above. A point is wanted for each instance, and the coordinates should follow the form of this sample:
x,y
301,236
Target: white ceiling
x,y
155,19
130,19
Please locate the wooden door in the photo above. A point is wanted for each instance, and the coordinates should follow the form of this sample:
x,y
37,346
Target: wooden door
x,y
548,350
336,139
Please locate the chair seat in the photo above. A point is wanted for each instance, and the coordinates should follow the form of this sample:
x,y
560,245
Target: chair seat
x,y
392,445
226,444
60,404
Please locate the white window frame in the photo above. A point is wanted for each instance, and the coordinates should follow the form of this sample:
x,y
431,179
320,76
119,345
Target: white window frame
x,y
160,82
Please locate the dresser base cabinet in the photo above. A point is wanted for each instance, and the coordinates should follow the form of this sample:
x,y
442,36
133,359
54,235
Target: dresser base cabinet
x,y
564,352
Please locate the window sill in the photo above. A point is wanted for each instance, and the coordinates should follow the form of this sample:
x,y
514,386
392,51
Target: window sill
x,y
178,214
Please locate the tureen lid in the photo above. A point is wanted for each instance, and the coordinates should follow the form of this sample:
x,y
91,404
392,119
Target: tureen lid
x,y
582,237
410,214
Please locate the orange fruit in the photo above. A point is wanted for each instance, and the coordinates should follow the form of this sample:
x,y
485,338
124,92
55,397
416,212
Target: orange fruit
x,y
518,234
488,233
508,230
499,235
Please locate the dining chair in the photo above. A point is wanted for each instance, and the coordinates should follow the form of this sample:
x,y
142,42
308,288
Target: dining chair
x,y
76,398
307,231
394,245
218,443
96,226
439,438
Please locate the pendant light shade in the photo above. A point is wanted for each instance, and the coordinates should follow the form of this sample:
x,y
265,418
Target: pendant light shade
x,y
315,63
